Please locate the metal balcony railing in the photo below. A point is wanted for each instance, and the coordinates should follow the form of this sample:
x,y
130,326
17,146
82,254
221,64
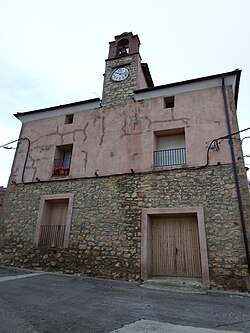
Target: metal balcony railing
x,y
170,157
61,166
52,235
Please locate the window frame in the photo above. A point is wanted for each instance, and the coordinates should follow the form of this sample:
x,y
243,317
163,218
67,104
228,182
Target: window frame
x,y
64,154
42,216
169,133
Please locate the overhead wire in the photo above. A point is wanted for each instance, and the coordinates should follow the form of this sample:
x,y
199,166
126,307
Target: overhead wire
x,y
214,144
6,144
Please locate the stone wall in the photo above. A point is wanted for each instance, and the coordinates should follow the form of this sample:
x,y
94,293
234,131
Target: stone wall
x,y
105,231
2,196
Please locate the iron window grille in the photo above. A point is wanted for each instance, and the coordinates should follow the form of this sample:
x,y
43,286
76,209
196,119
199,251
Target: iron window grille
x,y
170,157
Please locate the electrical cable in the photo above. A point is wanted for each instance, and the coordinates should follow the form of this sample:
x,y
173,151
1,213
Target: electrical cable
x,y
6,144
246,137
217,141
27,153
26,157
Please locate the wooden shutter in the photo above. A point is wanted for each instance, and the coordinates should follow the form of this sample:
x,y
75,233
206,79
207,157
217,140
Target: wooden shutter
x,y
58,213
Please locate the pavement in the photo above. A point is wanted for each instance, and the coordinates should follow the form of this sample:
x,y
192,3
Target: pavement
x,y
40,302
148,326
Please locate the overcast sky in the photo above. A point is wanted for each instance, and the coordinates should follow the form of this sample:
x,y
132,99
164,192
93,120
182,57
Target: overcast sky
x,y
53,52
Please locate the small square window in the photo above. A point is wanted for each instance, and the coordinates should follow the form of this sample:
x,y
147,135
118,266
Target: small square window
x,y
69,119
168,102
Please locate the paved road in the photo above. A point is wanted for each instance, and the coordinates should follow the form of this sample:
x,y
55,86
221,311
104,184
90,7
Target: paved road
x,y
53,303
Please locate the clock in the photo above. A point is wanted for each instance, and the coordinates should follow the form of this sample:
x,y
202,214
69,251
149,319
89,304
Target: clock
x,y
120,74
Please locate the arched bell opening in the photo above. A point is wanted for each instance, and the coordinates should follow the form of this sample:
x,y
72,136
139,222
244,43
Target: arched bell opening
x,y
122,47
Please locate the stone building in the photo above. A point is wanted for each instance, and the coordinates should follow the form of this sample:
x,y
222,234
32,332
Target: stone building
x,y
147,182
2,194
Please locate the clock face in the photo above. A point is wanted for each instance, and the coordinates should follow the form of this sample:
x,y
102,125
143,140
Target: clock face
x,y
120,74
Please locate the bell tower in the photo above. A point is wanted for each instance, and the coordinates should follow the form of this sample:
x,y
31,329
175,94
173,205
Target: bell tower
x,y
124,71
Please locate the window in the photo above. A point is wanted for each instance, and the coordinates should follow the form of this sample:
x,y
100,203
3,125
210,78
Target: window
x,y
169,102
62,160
54,219
69,119
170,148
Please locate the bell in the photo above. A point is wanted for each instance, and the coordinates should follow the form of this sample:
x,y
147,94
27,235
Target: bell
x,y
123,50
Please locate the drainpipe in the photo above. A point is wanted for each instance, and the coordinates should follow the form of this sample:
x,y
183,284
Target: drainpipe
x,y
236,179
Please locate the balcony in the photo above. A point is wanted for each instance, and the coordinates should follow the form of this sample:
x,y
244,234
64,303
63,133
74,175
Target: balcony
x,y
61,166
170,157
52,235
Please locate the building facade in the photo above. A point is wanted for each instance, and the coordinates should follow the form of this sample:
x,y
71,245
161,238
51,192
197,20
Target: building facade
x,y
147,182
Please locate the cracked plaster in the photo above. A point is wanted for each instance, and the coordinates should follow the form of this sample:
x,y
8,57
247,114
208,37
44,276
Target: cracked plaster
x,y
126,130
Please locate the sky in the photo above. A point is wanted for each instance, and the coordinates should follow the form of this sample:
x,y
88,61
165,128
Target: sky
x,y
53,52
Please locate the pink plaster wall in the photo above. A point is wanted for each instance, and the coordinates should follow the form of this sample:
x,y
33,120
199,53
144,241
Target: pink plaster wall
x,y
113,140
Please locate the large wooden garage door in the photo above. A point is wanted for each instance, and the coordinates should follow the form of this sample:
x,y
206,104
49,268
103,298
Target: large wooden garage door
x,y
175,246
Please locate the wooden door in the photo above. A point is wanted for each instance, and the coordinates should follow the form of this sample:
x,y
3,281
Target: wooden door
x,y
175,246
